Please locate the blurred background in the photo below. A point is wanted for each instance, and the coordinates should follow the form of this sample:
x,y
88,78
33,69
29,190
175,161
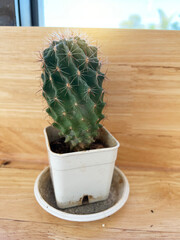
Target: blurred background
x,y
137,14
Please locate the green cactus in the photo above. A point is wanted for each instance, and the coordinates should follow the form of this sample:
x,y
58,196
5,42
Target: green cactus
x,y
72,87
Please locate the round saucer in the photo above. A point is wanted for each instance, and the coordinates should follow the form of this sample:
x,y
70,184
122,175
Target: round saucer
x,y
119,192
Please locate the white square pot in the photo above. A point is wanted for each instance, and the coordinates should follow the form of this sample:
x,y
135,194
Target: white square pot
x,y
84,176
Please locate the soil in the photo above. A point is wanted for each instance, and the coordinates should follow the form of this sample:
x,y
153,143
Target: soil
x,y
59,146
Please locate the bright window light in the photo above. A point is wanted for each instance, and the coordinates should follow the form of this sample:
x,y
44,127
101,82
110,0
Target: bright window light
x,y
150,14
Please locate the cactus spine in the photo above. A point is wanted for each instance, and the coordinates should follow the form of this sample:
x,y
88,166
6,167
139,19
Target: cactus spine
x,y
72,87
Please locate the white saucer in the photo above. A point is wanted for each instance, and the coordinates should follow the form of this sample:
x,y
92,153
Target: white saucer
x,y
118,196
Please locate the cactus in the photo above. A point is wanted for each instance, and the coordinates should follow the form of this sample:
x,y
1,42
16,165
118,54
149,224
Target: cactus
x,y
72,87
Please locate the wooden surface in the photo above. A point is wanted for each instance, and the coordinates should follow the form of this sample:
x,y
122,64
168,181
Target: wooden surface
x,y
143,113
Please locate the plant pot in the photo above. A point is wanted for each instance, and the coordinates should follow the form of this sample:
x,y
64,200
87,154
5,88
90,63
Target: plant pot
x,y
81,177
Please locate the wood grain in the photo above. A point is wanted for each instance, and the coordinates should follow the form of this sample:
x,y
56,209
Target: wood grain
x,y
143,113
143,92
156,191
18,229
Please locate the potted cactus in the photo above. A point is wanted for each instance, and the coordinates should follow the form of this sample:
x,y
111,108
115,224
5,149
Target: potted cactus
x,y
72,88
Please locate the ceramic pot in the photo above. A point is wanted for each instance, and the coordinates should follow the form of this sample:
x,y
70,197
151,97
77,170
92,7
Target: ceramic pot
x,y
81,177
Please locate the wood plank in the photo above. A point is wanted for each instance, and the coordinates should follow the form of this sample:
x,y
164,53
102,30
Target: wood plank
x,y
22,165
137,151
143,93
16,230
148,152
149,190
143,112
19,144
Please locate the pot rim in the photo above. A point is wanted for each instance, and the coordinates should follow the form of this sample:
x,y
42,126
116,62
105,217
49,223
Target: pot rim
x,y
80,152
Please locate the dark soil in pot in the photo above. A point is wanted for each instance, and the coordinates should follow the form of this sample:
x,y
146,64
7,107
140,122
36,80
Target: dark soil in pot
x,y
59,146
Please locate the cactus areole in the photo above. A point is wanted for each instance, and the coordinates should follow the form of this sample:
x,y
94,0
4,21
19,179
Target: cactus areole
x,y
72,87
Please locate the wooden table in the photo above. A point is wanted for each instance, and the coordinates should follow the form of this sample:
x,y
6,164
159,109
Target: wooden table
x,y
143,112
